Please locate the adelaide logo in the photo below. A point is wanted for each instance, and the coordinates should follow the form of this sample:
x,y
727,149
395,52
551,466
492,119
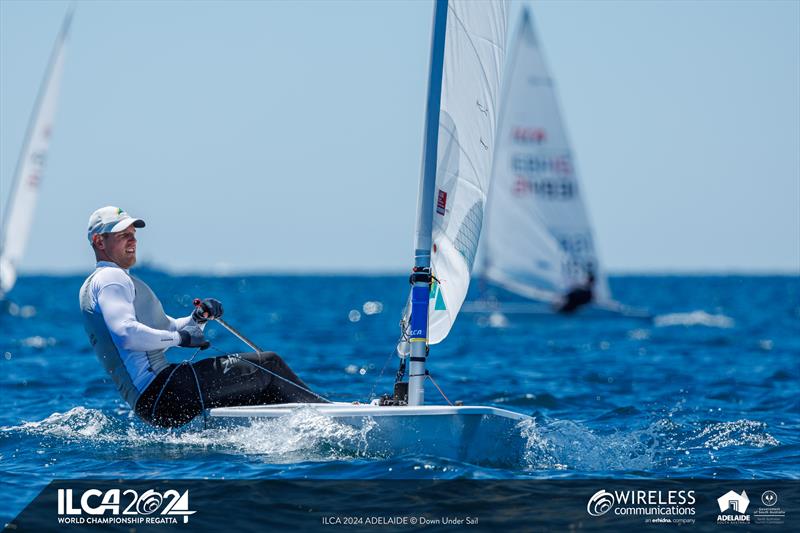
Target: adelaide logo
x,y
733,508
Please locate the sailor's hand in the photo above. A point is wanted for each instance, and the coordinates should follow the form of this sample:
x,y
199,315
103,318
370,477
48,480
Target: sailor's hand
x,y
208,309
192,337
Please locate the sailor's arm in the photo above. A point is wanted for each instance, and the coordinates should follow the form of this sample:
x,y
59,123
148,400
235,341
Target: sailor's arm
x,y
176,324
115,301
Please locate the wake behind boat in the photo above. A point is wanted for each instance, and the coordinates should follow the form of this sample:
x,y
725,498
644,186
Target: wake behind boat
x,y
467,53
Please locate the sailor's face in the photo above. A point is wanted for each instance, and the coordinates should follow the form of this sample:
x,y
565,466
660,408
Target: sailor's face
x,y
120,247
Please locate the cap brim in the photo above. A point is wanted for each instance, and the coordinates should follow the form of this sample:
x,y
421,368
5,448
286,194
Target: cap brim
x,y
124,224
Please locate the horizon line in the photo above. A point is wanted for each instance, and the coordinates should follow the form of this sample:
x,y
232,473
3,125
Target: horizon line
x,y
361,272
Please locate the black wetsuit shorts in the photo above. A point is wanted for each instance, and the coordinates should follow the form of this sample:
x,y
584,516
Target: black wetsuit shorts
x,y
181,391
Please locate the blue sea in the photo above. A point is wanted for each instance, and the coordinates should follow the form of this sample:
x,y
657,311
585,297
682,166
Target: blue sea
x,y
709,387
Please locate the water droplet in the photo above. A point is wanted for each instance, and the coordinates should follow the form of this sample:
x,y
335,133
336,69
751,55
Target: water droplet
x,y
372,308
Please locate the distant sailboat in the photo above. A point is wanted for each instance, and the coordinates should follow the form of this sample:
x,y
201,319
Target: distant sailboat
x,y
21,203
537,241
467,54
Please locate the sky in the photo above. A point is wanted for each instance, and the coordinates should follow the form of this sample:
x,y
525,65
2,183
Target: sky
x,y
287,136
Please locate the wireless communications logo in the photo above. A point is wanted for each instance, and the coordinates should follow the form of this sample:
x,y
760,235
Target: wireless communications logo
x,y
116,506
654,506
600,503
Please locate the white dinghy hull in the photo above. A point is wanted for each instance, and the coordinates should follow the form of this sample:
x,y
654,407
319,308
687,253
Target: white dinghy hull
x,y
485,435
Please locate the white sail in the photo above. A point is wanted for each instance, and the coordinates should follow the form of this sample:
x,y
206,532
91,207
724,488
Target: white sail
x,y
21,202
537,241
474,53
467,49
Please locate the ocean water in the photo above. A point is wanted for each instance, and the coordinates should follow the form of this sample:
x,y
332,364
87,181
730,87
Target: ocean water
x,y
707,388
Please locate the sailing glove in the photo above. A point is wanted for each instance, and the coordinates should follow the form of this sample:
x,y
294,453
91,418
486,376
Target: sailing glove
x,y
209,309
192,337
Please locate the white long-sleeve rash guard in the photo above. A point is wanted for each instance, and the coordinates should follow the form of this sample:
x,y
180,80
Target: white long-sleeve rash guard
x,y
112,293
115,293
115,301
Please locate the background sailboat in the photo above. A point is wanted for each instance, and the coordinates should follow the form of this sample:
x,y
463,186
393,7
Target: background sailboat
x,y
21,203
467,54
537,241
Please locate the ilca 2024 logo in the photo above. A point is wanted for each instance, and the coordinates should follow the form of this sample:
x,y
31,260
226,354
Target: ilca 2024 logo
x,y
117,506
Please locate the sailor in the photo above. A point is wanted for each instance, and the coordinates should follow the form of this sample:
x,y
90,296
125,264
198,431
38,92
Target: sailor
x,y
130,334
578,296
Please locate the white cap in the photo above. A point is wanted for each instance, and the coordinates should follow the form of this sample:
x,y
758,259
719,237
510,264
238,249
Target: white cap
x,y
111,219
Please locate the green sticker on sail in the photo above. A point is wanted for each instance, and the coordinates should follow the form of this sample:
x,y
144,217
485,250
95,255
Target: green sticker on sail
x,y
437,295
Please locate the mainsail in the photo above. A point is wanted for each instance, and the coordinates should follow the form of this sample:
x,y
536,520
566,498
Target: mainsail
x,y
466,56
474,52
21,202
537,241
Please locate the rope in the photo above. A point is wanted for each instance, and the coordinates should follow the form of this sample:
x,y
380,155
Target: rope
x,y
377,379
199,393
268,371
440,390
164,386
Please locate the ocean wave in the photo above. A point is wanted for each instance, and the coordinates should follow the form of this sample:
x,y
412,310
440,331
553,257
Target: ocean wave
x,y
736,433
302,435
661,443
493,320
695,318
38,342
305,435
79,423
566,445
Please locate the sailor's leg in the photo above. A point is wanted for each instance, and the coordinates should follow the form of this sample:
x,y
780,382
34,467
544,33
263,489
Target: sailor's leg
x,y
172,399
250,379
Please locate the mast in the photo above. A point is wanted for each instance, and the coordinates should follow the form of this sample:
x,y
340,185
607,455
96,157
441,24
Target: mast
x,y
421,276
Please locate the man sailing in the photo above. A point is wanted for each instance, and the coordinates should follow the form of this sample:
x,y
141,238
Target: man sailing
x,y
130,334
578,296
